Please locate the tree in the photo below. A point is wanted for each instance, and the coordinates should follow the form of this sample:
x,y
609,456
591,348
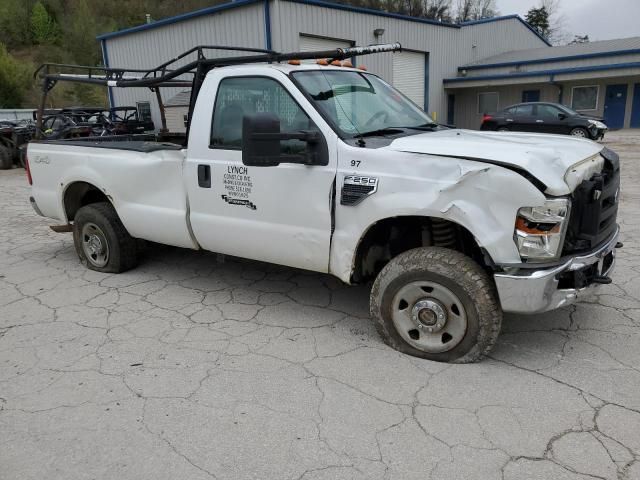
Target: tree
x,y
475,10
538,18
15,80
43,27
579,39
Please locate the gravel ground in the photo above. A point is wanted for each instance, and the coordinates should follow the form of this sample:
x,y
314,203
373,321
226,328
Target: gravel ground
x,y
191,367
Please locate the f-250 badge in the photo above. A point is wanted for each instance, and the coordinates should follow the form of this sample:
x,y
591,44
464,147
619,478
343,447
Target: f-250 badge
x,y
356,188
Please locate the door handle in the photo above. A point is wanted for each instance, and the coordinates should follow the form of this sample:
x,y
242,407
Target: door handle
x,y
204,176
539,121
509,119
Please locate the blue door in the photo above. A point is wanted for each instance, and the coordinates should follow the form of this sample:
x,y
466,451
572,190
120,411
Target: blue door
x,y
530,96
635,107
615,102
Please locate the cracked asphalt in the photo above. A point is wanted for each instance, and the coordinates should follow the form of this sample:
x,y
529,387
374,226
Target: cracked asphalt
x,y
193,366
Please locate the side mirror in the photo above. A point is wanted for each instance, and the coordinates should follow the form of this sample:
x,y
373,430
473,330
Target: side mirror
x,y
261,143
562,116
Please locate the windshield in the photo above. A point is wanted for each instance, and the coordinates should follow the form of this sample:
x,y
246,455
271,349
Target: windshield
x,y
358,103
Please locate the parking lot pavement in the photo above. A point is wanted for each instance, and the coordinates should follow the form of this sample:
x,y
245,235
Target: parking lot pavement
x,y
190,367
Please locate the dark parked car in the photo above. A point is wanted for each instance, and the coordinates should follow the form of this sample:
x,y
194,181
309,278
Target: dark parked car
x,y
542,117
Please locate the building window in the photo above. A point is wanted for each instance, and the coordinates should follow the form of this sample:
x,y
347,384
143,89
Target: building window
x,y
585,98
488,102
144,111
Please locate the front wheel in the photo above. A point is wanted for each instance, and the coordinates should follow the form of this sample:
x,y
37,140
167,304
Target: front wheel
x,y
579,132
437,304
101,240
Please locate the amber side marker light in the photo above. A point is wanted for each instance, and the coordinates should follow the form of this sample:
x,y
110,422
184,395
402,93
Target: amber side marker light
x,y
294,62
322,61
347,64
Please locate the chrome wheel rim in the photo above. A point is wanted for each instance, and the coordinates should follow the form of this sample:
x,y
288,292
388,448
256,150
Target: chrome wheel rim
x,y
429,316
578,133
94,244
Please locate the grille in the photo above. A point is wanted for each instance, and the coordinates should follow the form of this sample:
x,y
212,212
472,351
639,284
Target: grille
x,y
594,208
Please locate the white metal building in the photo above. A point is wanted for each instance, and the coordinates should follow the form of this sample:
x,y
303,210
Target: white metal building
x,y
432,51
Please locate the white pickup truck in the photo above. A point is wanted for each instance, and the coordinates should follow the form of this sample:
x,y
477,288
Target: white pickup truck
x,y
329,168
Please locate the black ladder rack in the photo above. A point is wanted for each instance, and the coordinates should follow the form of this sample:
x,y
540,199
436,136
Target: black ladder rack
x,y
166,74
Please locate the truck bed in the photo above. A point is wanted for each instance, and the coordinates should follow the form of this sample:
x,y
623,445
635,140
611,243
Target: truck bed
x,y
143,179
134,143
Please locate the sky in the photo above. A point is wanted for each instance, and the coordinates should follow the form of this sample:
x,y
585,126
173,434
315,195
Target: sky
x,y
600,19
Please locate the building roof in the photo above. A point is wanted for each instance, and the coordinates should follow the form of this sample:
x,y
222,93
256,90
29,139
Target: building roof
x,y
604,48
318,3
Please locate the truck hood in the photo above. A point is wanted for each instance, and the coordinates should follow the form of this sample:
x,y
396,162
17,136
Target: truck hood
x,y
544,157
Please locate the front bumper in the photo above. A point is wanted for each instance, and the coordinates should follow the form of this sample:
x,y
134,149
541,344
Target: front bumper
x,y
535,291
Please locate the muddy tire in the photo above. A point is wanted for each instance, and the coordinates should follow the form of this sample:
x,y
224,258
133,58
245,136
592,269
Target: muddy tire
x,y
101,241
437,304
6,160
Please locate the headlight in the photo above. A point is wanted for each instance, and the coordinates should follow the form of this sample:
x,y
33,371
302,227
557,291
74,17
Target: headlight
x,y
540,231
597,124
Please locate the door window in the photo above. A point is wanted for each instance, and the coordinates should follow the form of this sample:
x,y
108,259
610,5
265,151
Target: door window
x,y
524,110
240,96
548,111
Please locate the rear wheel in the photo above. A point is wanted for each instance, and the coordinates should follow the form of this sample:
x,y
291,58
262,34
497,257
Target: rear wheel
x,y
6,161
437,304
101,241
579,132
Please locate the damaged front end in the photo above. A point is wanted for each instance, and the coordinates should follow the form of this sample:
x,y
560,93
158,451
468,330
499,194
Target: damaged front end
x,y
586,257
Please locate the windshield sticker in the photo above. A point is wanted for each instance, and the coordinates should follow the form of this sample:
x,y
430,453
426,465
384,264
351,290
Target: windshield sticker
x,y
238,186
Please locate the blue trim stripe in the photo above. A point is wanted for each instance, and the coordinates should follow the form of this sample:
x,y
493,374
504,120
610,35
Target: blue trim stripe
x,y
178,18
426,82
105,59
543,73
566,58
507,17
267,25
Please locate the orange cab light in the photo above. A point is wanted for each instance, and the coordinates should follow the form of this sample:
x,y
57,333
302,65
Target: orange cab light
x,y
294,62
322,61
347,63
336,63
362,67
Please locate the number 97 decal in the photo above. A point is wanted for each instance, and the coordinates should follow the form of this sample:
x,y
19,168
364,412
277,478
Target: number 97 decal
x,y
355,163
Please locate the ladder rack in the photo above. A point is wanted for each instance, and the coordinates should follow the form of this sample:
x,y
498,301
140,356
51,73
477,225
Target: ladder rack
x,y
166,74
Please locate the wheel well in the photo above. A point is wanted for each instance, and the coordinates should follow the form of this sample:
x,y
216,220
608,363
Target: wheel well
x,y
78,195
390,237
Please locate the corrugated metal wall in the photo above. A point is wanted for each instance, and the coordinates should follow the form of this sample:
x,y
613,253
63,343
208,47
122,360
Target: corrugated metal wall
x,y
448,47
241,27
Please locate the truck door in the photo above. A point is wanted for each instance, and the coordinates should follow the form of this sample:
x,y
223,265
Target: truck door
x,y
279,214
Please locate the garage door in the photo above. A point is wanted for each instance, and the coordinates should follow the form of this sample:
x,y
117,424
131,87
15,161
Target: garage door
x,y
408,75
309,44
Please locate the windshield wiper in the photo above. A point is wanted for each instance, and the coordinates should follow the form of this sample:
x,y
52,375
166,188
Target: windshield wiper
x,y
382,131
